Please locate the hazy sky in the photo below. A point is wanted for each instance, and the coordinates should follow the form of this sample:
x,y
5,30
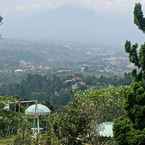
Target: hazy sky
x,y
99,21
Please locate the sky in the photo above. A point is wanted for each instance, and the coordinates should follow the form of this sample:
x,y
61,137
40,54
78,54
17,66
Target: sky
x,y
88,21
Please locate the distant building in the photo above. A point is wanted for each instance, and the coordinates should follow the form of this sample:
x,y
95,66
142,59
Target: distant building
x,y
64,71
84,68
19,70
76,83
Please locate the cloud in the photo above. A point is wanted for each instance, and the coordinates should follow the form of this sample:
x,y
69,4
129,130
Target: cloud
x,y
23,6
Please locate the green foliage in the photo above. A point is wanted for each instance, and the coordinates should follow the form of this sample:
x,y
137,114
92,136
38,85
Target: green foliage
x,y
121,128
24,133
130,128
133,55
9,121
109,101
52,139
126,134
136,53
48,88
135,105
142,57
23,139
53,89
104,81
139,19
6,99
77,124
1,19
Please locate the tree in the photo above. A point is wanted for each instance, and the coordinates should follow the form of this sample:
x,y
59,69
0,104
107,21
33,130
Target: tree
x,y
9,120
139,19
136,52
24,133
75,125
109,101
1,19
130,128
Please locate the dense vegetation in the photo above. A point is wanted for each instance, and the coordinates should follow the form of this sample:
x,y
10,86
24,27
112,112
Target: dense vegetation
x,y
77,123
55,89
51,88
130,128
8,120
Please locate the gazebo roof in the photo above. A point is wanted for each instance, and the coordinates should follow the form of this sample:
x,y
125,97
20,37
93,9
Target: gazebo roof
x,y
37,109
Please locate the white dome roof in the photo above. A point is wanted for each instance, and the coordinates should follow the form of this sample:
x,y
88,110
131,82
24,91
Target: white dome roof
x,y
37,109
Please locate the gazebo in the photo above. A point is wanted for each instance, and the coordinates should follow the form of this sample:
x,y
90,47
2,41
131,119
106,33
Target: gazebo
x,y
36,111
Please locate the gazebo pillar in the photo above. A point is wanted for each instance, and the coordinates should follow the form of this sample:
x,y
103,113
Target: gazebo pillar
x,y
38,125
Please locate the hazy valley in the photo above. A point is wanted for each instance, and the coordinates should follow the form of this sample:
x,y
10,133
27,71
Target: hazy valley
x,y
25,56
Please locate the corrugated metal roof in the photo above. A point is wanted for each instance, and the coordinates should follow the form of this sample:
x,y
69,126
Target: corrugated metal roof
x,y
105,129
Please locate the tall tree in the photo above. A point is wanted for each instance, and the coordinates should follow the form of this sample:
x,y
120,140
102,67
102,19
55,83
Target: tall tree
x,y
1,19
130,128
136,52
139,19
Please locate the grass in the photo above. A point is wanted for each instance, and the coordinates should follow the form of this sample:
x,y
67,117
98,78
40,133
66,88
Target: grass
x,y
6,140
9,140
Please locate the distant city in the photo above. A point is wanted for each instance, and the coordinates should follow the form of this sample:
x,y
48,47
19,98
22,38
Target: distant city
x,y
25,57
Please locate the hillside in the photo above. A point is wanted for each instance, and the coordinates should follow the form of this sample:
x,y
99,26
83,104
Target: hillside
x,y
17,54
